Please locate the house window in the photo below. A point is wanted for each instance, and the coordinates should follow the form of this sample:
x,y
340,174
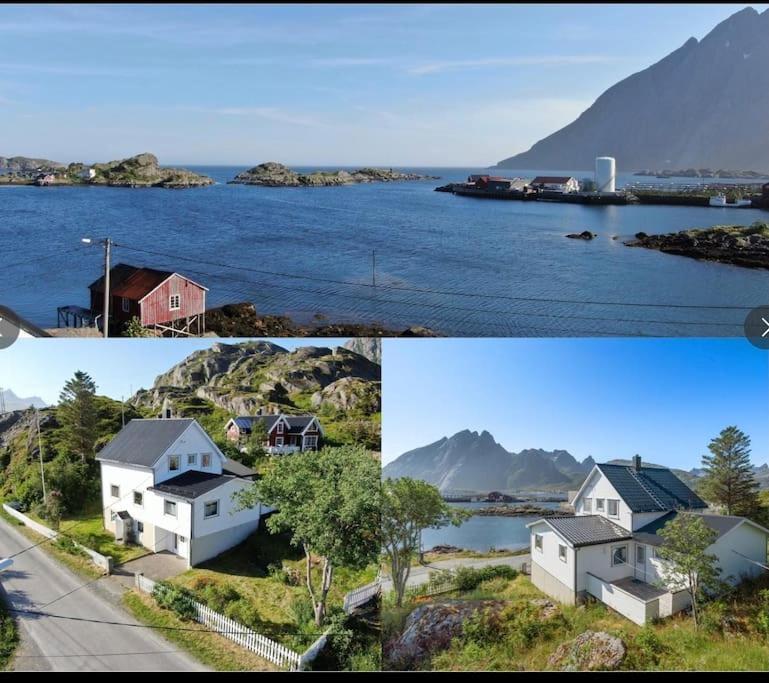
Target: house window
x,y
280,428
211,509
182,539
310,442
173,462
113,515
192,459
613,506
114,491
587,505
618,555
205,459
169,507
562,552
640,554
138,498
278,440
538,542
175,302
140,527
125,304
599,505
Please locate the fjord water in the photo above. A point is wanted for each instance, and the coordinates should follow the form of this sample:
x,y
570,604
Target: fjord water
x,y
483,533
244,242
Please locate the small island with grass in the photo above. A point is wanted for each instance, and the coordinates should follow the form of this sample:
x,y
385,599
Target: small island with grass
x,y
739,245
272,174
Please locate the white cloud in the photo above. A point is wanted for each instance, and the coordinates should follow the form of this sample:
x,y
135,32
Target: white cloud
x,y
554,60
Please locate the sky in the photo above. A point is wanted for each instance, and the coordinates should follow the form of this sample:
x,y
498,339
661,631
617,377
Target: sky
x,y
408,85
663,399
120,367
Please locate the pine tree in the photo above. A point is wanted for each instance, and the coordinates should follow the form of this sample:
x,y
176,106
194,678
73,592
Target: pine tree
x,y
729,479
77,415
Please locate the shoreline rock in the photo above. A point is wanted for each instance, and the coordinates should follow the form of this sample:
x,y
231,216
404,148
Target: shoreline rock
x,y
746,246
584,235
519,511
273,174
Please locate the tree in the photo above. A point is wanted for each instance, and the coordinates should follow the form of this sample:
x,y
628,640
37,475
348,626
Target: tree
x,y
256,440
329,502
408,506
687,565
78,416
729,479
134,328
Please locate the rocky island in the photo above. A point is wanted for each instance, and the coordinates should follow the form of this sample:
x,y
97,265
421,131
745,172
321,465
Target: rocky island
x,y
519,511
740,245
272,174
702,173
142,170
26,164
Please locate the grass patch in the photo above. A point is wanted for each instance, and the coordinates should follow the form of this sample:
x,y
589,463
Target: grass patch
x,y
211,649
9,636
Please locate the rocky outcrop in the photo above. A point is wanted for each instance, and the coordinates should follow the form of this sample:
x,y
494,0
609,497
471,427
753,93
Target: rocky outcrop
x,y
348,394
589,651
143,170
584,235
366,347
431,628
272,174
738,245
27,164
518,511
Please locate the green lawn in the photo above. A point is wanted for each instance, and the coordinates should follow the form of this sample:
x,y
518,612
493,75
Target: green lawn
x,y
247,586
9,637
521,641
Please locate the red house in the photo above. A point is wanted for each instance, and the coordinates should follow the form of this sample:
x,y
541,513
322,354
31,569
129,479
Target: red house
x,y
285,433
161,300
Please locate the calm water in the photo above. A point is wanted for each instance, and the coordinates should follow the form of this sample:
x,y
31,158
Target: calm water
x,y
234,239
482,533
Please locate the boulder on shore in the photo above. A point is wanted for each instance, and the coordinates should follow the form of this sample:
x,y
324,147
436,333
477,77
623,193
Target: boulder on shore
x,y
589,651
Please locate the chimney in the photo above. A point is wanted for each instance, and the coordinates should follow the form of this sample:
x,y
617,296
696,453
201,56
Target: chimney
x,y
637,463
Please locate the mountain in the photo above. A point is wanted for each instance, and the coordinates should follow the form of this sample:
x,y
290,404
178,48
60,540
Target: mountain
x,y
367,347
26,164
475,461
704,105
13,402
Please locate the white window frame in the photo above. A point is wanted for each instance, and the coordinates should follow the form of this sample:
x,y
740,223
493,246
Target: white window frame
x,y
640,548
112,488
587,504
166,503
614,549
311,441
280,428
206,504
125,304
192,458
609,501
539,542
278,441
141,499
599,505
178,301
171,459
563,553
205,460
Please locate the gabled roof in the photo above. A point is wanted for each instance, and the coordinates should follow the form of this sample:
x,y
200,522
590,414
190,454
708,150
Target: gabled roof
x,y
554,179
142,442
651,489
720,524
587,530
238,469
298,423
191,484
246,422
134,283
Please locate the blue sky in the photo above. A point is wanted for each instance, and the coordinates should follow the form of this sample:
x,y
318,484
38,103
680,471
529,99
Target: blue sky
x,y
453,85
120,367
661,398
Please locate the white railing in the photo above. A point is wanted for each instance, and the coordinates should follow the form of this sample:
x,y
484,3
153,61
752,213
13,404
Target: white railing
x,y
282,450
359,596
102,561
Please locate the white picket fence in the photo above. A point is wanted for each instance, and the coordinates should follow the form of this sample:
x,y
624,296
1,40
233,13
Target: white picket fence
x,y
259,644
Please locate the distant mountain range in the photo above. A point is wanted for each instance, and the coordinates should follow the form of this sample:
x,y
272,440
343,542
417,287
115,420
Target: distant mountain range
x,y
472,461
705,105
13,402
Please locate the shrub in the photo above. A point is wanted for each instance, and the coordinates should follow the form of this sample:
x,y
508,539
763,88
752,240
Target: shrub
x,y
712,617
66,544
649,645
218,596
302,612
245,613
468,578
176,599
761,619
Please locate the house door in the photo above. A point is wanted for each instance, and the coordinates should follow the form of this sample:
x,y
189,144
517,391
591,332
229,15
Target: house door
x,y
175,540
640,562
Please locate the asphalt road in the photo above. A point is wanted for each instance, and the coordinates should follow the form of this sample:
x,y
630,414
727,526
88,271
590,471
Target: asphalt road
x,y
81,628
421,574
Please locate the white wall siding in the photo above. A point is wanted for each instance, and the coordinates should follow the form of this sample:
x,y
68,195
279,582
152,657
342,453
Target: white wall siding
x,y
599,486
746,540
205,547
641,519
228,516
548,558
627,605
128,480
596,559
195,441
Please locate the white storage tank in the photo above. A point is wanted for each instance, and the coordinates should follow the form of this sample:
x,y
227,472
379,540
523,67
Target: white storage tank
x,y
605,174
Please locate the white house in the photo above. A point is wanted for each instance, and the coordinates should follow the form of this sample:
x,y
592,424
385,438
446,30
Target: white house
x,y
562,184
608,550
167,486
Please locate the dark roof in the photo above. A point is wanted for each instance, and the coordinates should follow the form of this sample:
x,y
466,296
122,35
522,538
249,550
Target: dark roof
x,y
246,422
651,489
298,423
123,514
142,442
551,179
721,524
238,469
191,484
587,529
132,282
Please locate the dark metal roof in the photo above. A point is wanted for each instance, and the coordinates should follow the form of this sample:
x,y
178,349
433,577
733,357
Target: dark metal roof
x,y
238,469
123,514
587,529
134,283
142,442
721,524
298,423
246,422
191,484
557,179
651,489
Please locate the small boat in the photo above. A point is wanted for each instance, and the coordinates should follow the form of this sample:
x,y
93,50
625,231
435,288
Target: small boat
x,y
719,200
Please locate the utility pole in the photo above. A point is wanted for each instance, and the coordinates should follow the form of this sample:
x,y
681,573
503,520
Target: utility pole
x,y
40,454
107,249
122,409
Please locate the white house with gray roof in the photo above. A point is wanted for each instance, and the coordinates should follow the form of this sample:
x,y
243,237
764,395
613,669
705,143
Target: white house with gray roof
x,y
608,549
167,486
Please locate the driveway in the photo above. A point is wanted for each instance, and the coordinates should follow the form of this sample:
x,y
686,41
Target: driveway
x,y
421,573
69,624
155,566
